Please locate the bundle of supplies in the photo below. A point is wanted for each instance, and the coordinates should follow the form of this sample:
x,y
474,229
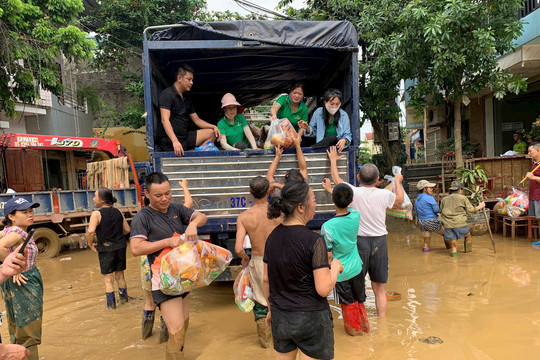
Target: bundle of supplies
x,y
405,210
191,265
243,293
516,204
281,133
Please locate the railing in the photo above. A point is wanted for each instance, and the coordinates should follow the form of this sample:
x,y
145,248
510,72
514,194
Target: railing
x,y
528,7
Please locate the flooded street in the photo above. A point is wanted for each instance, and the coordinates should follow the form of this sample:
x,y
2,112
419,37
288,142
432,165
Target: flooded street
x,y
481,305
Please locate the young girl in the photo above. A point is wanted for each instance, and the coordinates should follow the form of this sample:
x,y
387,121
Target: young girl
x,y
109,225
23,295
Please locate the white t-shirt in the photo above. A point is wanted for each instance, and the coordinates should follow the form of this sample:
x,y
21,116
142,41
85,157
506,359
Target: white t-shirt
x,y
372,203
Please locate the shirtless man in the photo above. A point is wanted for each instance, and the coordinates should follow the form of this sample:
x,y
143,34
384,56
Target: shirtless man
x,y
256,224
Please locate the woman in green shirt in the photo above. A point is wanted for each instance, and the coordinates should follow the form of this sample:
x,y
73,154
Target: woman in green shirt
x,y
291,106
235,131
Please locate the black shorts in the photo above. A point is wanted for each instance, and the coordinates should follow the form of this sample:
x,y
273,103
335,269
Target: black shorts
x,y
373,251
160,297
111,261
348,291
188,143
310,331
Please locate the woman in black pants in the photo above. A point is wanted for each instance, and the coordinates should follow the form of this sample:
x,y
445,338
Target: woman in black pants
x,y
298,278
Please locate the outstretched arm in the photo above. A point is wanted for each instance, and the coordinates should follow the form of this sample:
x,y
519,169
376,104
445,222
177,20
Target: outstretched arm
x,y
334,157
302,165
188,201
273,166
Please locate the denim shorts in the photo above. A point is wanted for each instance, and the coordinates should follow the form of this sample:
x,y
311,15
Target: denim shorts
x,y
455,233
310,331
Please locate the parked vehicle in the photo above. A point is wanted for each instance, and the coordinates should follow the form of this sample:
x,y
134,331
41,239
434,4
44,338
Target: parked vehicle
x,y
256,61
33,164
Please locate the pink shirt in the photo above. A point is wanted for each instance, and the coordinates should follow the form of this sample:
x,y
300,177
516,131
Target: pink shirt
x,y
31,247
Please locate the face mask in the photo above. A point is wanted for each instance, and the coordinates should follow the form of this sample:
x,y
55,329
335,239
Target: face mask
x,y
330,110
229,117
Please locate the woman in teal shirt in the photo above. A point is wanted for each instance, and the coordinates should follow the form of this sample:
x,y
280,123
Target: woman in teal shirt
x,y
291,106
235,131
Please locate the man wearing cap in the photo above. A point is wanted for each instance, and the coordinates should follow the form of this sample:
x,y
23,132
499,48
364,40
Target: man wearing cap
x,y
177,111
454,210
23,295
427,210
371,203
234,129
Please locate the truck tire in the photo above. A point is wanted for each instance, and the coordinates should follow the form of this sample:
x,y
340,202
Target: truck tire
x,y
48,242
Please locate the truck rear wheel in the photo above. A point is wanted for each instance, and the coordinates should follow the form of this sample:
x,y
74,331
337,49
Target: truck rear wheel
x,y
48,242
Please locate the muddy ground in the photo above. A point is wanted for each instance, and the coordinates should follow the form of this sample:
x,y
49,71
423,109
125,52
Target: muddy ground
x,y
481,305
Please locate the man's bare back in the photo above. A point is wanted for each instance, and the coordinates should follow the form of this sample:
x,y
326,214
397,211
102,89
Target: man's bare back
x,y
255,222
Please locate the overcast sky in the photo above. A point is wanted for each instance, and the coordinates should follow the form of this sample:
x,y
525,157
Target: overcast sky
x,y
223,5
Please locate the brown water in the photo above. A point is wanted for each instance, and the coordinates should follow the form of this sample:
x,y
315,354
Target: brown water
x,y
481,305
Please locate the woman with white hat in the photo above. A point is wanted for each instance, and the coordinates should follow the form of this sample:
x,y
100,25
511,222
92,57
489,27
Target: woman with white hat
x,y
235,131
427,210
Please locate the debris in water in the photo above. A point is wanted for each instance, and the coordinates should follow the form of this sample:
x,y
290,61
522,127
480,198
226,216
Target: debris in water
x,y
66,258
70,287
392,295
470,294
432,340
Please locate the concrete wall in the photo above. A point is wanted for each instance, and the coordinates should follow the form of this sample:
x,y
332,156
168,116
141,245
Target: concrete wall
x,y
61,120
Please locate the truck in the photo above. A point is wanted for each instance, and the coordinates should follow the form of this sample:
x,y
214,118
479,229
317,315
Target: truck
x,y
256,61
51,170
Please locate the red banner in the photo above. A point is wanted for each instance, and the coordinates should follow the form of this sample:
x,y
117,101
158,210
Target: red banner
x,y
51,142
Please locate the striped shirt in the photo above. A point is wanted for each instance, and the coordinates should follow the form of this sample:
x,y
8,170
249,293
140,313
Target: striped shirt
x,y
31,247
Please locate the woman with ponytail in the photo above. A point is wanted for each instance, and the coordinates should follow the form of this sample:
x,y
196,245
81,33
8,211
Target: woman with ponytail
x,y
298,278
109,225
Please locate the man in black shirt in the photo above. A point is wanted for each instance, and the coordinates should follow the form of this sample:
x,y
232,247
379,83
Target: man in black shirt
x,y
176,109
152,230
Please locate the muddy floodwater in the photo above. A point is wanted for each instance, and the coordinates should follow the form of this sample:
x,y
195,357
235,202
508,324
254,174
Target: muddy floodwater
x,y
480,305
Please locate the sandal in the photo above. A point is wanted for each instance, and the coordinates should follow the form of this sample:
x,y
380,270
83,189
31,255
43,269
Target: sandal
x,y
453,254
426,249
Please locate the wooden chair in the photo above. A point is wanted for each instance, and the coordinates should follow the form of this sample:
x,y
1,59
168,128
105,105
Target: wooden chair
x,y
514,223
448,165
533,225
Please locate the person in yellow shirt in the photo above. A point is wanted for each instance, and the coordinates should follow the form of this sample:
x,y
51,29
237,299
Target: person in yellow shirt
x,y
520,146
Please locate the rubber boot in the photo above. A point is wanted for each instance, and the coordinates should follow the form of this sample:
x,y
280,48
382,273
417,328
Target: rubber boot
x,y
111,300
264,333
122,293
163,333
363,317
175,346
467,243
426,244
351,319
147,323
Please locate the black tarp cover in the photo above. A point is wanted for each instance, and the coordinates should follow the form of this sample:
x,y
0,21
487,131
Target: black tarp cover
x,y
321,34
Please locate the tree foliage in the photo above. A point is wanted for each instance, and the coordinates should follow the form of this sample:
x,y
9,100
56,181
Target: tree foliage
x,y
375,22
32,37
450,47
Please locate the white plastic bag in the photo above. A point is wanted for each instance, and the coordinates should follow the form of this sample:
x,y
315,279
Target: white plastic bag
x,y
405,210
243,293
281,133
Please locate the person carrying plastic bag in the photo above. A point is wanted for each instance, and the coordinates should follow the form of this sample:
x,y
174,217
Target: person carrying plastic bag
x,y
404,210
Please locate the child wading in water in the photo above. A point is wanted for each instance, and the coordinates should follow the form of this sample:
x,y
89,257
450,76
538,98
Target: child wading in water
x,y
340,236
109,225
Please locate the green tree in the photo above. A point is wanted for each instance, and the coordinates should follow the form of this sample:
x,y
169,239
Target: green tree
x,y
32,36
450,48
119,25
375,21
